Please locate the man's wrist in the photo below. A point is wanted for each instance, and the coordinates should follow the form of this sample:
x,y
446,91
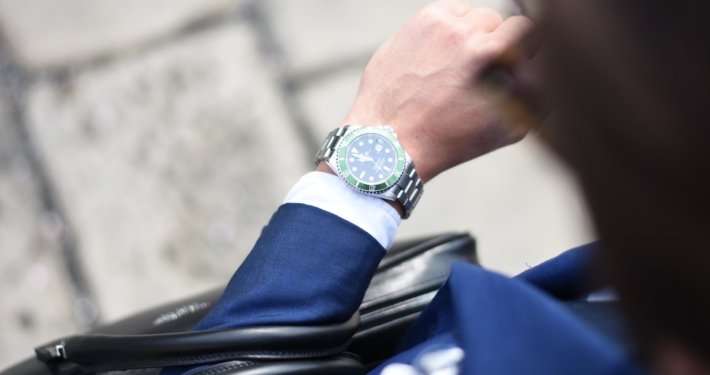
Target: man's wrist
x,y
324,167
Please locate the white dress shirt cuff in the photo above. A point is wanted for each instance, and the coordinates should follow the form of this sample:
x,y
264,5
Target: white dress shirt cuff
x,y
330,193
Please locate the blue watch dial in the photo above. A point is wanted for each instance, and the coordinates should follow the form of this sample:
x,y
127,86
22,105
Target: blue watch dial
x,y
371,158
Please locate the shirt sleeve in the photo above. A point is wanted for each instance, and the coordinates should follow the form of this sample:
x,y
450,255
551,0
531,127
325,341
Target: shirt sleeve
x,y
330,193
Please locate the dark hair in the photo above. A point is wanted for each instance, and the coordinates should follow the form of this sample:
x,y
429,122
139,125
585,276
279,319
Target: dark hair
x,y
632,90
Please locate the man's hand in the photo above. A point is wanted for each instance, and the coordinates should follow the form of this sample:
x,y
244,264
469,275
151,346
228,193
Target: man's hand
x,y
422,82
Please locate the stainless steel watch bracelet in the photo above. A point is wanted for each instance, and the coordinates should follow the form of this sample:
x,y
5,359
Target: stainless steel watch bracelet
x,y
407,190
331,141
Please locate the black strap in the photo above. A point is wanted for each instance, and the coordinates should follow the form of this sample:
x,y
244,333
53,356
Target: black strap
x,y
91,353
342,364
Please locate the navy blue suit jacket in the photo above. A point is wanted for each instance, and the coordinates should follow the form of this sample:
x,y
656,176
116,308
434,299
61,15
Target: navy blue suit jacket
x,y
310,266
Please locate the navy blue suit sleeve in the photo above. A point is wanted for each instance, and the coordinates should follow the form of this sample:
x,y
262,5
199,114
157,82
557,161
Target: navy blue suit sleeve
x,y
308,266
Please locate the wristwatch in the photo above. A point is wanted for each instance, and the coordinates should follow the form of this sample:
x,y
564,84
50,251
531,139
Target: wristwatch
x,y
372,161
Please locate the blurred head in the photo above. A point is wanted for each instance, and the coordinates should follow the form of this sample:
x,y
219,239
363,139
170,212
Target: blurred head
x,y
630,85
630,81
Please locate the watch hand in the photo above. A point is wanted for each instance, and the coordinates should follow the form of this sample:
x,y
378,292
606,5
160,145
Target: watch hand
x,y
363,158
379,168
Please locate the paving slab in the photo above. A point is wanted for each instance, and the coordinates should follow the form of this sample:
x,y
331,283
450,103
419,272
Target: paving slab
x,y
318,33
519,202
50,33
35,295
168,164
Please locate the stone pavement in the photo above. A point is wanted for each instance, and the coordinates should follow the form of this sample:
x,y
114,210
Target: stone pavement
x,y
143,145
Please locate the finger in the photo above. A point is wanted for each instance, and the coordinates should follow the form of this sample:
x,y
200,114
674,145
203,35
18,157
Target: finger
x,y
458,8
483,19
514,30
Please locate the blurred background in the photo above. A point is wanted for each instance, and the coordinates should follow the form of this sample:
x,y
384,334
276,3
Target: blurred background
x,y
144,144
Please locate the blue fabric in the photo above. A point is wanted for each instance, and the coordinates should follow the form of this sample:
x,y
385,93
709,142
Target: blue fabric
x,y
310,266
436,319
567,274
511,326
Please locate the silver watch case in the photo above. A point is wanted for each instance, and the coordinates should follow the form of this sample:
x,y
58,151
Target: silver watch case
x,y
405,188
332,162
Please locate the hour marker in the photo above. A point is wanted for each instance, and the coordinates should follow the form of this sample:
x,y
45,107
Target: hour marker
x,y
370,141
371,178
362,174
387,150
353,159
387,168
389,160
355,151
361,144
380,176
354,169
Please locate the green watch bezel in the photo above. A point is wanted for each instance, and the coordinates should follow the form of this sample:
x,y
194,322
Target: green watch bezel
x,y
361,186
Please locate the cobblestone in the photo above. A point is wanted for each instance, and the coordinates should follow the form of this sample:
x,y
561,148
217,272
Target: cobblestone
x,y
50,33
35,296
327,101
168,164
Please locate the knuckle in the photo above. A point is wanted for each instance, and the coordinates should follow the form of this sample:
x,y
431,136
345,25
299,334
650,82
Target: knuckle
x,y
459,7
432,15
490,15
459,33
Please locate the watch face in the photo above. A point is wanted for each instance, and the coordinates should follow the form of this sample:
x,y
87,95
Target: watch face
x,y
371,159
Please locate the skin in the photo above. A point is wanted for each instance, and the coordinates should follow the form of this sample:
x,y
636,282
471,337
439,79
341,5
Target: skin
x,y
422,82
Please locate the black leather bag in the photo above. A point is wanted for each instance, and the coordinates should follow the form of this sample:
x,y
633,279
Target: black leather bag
x,y
405,282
